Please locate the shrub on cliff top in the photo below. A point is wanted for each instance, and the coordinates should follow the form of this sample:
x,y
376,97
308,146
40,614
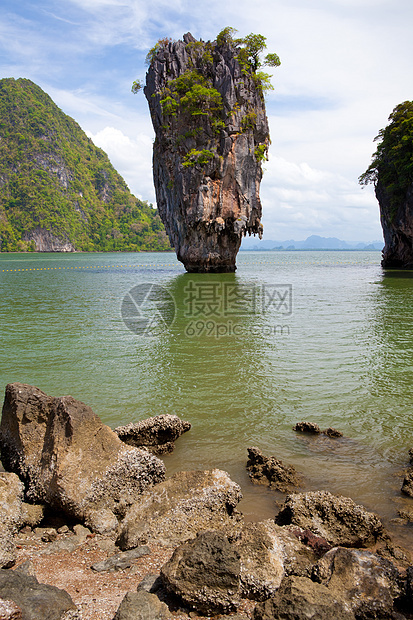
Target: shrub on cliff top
x,y
392,163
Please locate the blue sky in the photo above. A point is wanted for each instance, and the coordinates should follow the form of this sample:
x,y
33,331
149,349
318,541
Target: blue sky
x,y
345,65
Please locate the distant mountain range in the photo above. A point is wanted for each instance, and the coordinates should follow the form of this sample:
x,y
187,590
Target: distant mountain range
x,y
314,242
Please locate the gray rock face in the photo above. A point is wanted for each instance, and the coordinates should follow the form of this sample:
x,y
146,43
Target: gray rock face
x,y
208,150
46,241
11,516
261,554
142,605
11,499
336,518
365,581
176,510
36,600
397,227
271,471
300,598
157,434
8,553
67,457
205,574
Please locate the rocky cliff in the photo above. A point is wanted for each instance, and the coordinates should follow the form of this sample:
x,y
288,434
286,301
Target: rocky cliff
x,y
391,171
208,112
397,224
58,191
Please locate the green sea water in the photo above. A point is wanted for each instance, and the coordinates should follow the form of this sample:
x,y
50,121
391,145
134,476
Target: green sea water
x,y
319,336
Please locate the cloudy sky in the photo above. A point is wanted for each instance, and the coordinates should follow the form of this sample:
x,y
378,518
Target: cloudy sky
x,y
345,65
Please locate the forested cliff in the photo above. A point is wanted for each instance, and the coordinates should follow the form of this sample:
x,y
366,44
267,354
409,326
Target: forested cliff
x,y
58,191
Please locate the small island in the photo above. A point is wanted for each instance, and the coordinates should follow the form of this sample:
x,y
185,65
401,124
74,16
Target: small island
x,y
208,111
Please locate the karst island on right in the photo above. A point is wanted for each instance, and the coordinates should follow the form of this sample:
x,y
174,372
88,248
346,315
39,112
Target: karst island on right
x,y
391,171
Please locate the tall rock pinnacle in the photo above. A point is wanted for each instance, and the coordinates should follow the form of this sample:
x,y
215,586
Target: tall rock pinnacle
x,y
391,171
212,134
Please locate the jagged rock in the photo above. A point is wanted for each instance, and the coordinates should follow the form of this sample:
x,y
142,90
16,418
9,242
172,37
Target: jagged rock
x,y
397,224
157,434
208,149
334,517
298,557
10,611
205,574
176,510
36,600
365,581
313,429
102,522
307,427
8,553
120,561
81,532
332,432
261,555
32,514
407,486
300,598
151,583
67,457
11,498
142,605
271,471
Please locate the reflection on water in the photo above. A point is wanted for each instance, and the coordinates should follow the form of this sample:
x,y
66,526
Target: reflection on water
x,y
318,336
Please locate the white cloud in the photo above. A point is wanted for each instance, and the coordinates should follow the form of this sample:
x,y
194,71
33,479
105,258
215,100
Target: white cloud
x,y
132,157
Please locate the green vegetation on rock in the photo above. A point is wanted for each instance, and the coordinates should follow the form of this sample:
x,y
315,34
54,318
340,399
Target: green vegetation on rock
x,y
392,164
54,180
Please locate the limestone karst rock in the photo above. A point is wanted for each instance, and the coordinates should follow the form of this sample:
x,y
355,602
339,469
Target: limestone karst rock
x,y
208,112
391,171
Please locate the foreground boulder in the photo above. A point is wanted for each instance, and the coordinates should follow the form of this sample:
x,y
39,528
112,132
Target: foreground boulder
x,y
267,553
142,605
205,574
271,471
177,509
336,518
299,598
215,570
157,434
365,581
67,457
36,600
